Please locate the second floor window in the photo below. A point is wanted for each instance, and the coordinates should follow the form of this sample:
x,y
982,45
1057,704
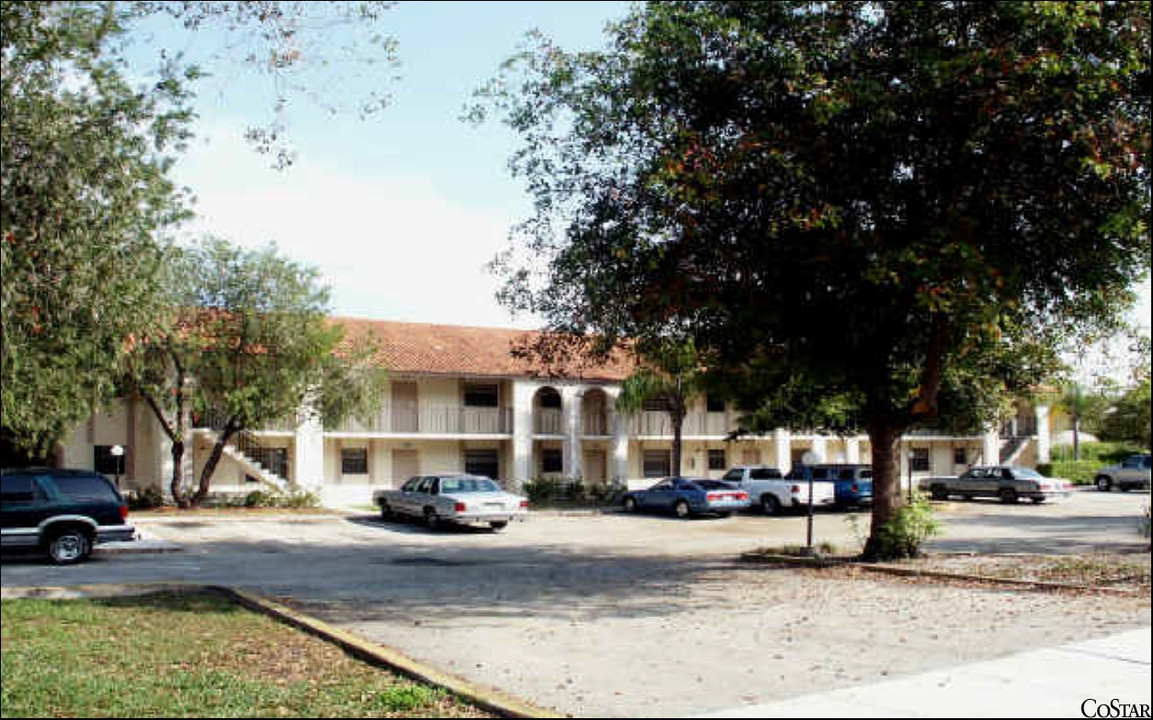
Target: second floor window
x,y
481,395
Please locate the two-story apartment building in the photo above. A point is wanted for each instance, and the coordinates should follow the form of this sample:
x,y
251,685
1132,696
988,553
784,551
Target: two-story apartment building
x,y
459,399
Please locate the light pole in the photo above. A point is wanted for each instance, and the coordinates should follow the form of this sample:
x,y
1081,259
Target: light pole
x,y
807,461
118,453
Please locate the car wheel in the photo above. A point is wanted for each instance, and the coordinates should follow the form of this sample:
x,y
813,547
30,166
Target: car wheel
x,y
681,509
498,525
1103,484
69,546
1008,496
431,519
939,492
770,505
385,512
630,504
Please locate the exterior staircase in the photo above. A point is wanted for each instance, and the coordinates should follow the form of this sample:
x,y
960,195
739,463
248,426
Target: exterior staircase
x,y
1012,448
245,450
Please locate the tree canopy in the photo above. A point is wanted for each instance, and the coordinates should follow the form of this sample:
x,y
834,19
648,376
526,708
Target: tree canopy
x,y
86,146
901,208
84,185
249,343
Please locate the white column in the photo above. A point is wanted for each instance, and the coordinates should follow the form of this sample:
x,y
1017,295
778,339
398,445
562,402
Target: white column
x,y
620,422
853,450
571,397
523,392
783,449
308,470
991,446
820,449
1044,440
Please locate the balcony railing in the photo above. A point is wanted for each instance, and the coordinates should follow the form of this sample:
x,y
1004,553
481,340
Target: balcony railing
x,y
597,424
659,424
439,420
547,421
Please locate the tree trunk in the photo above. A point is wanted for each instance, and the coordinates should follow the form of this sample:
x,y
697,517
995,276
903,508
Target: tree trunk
x,y
884,437
1076,437
176,437
678,418
213,460
177,475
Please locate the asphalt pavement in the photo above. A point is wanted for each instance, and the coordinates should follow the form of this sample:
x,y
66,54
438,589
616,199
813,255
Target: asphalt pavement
x,y
600,616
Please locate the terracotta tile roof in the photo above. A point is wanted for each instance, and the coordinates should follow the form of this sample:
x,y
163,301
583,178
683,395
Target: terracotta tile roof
x,y
423,349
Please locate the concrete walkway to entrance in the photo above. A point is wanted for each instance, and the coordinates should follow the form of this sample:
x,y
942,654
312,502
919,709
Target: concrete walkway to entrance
x,y
1072,680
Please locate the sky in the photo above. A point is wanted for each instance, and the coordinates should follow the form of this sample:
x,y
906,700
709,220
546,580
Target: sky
x,y
402,212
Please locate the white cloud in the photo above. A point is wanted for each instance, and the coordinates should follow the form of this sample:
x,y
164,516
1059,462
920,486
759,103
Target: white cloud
x,y
390,248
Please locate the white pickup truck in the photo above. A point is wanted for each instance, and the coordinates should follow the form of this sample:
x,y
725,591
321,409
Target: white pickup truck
x,y
769,489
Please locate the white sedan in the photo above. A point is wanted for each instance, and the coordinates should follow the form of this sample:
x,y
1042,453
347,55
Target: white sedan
x,y
452,498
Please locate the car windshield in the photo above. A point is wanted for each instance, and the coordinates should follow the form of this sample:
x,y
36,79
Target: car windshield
x,y
1024,472
468,485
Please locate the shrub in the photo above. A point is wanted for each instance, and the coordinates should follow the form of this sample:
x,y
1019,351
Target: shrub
x,y
910,526
145,498
540,491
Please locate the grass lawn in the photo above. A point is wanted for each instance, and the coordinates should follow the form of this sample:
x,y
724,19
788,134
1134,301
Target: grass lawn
x,y
194,655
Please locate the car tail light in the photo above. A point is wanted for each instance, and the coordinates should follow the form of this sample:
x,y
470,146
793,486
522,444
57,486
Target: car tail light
x,y
524,504
742,496
124,512
460,507
713,497
796,488
854,488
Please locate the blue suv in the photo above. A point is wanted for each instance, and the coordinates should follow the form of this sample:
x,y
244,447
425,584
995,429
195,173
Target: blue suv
x,y
61,512
852,484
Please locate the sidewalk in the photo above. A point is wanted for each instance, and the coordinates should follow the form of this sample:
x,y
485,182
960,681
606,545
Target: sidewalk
x,y
1067,681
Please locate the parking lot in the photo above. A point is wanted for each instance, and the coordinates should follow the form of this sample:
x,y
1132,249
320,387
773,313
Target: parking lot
x,y
618,615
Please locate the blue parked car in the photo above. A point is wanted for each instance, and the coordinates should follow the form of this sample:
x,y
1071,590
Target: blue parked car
x,y
688,496
852,484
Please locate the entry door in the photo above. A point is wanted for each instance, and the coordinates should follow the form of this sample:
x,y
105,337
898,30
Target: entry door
x,y
405,464
404,407
594,467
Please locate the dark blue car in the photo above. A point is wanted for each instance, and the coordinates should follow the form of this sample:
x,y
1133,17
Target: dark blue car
x,y
688,496
852,484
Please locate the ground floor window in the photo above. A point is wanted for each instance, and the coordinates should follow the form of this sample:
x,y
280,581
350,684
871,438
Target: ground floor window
x,y
717,459
551,460
960,456
919,460
354,461
656,463
485,463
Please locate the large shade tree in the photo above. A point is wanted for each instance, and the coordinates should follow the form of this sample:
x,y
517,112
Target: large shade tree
x,y
899,208
83,189
248,343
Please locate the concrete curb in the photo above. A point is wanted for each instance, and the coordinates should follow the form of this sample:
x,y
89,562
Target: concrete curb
x,y
765,558
488,699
